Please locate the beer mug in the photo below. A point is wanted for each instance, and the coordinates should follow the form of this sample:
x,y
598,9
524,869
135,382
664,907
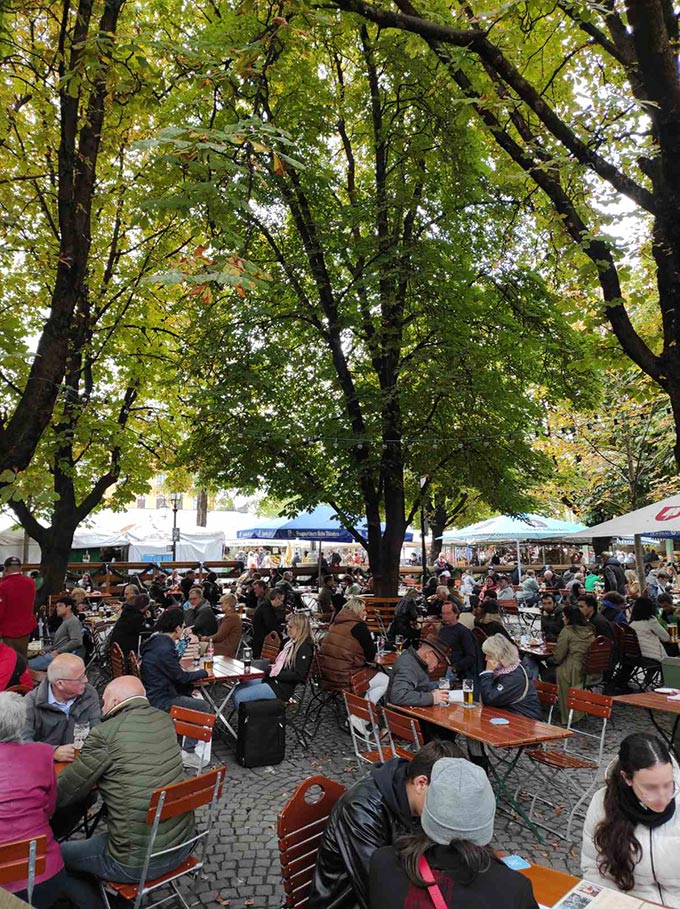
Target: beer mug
x,y
673,632
468,693
80,733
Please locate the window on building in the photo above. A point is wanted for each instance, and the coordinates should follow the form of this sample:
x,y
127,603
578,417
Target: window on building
x,y
141,501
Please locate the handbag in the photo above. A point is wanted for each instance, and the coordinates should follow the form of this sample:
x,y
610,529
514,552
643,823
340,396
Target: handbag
x,y
435,893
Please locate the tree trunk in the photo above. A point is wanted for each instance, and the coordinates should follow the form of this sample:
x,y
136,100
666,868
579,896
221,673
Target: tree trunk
x,y
202,508
438,519
54,552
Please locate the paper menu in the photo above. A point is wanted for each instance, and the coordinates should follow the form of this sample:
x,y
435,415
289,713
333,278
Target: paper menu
x,y
586,895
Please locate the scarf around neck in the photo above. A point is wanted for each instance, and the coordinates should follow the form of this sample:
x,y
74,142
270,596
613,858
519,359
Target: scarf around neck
x,y
638,813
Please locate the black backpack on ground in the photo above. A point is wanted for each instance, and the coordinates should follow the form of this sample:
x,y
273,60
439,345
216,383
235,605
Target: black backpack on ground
x,y
261,733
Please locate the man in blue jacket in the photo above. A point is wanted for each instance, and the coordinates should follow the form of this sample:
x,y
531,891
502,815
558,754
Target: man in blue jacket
x,y
165,681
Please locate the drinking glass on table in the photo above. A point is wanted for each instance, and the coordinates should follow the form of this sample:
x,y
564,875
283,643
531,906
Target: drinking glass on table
x,y
468,693
399,641
247,658
80,733
445,685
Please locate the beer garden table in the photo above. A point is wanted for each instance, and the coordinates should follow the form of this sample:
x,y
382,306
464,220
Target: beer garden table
x,y
651,701
475,723
226,672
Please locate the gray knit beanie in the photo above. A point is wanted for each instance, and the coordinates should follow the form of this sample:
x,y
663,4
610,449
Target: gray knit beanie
x,y
460,804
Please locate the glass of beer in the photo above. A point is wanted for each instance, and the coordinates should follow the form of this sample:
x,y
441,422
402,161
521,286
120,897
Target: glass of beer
x,y
468,693
80,733
399,641
247,658
445,685
673,632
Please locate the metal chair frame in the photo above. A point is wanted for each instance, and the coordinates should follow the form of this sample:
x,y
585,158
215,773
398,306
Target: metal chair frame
x,y
364,710
21,858
195,724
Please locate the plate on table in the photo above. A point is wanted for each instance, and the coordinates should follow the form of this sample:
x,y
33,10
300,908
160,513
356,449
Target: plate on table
x,y
665,691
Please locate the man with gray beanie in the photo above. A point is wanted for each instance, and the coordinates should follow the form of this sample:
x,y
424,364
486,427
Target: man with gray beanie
x,y
451,850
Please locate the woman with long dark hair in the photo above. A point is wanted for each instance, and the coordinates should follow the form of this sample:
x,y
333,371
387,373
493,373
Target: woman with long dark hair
x,y
449,862
631,837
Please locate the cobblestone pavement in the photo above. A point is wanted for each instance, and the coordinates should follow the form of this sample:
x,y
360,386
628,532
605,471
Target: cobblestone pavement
x,y
243,869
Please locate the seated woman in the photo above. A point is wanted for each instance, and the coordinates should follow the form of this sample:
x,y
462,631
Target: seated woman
x,y
451,851
505,683
28,796
570,653
405,621
134,618
348,646
631,836
648,629
289,669
228,635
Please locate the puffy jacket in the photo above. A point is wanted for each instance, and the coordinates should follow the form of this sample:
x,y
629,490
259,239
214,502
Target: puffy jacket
x,y
512,691
341,654
47,723
657,874
228,635
162,675
613,612
374,812
131,753
410,685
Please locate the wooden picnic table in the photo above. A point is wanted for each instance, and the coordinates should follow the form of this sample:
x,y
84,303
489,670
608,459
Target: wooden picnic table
x,y
651,701
549,884
475,723
539,651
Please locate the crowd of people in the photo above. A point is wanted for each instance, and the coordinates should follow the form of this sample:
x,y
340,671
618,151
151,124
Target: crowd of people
x,y
410,830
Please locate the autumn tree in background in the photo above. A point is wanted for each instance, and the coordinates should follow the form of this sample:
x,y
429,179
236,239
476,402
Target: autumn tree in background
x,y
384,333
584,100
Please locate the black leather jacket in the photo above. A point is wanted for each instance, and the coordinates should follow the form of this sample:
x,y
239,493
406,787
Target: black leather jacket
x,y
371,814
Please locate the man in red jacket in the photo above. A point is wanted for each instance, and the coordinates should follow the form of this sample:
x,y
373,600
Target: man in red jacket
x,y
17,597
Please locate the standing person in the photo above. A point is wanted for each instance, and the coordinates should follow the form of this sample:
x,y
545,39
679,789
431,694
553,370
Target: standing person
x,y
17,599
569,655
372,813
228,635
269,616
631,835
165,681
67,639
28,796
452,848
614,574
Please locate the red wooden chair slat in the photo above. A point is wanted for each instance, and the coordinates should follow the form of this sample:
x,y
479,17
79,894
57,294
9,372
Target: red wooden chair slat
x,y
360,679
599,656
599,705
14,859
185,795
193,723
271,647
133,664
20,689
547,693
117,661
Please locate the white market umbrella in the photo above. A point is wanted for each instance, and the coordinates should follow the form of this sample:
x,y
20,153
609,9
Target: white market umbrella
x,y
660,521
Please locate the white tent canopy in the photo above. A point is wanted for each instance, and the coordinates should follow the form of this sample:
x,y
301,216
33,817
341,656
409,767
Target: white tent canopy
x,y
661,521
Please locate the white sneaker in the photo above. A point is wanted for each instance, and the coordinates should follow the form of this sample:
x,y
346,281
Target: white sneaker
x,y
190,759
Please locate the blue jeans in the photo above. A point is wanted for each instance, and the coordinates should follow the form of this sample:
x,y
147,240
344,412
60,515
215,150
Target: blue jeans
x,y
255,690
40,663
92,857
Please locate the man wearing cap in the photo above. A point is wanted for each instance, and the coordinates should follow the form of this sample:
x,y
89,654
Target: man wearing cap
x,y
372,813
410,683
17,597
457,824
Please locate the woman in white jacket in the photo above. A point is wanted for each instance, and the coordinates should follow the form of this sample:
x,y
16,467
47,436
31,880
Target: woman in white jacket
x,y
631,837
648,629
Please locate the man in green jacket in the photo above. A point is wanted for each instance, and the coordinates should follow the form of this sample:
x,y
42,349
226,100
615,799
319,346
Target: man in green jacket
x,y
132,752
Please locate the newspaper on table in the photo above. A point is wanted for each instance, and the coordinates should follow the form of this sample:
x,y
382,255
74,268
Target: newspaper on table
x,y
586,895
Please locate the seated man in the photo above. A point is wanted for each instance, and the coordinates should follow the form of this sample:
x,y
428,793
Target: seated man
x,y
441,596
382,806
165,681
551,617
487,617
587,603
505,591
131,753
13,668
68,636
410,684
61,700
200,616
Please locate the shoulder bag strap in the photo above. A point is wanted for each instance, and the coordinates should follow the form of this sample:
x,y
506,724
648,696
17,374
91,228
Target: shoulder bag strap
x,y
526,686
435,893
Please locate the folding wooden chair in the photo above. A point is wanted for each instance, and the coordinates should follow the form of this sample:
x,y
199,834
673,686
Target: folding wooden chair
x,y
366,737
133,665
598,662
117,661
300,827
271,647
173,801
23,859
643,671
547,695
480,634
359,681
568,767
193,724
404,728
323,696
